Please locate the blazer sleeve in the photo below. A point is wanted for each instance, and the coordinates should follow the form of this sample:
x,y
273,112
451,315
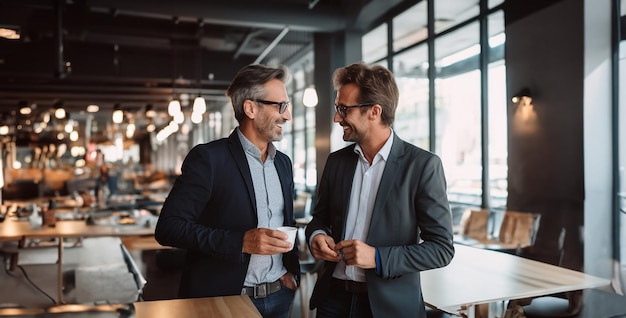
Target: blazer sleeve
x,y
208,209
429,206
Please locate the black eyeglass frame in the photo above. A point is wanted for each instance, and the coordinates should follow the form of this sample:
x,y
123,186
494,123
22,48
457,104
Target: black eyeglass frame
x,y
282,106
342,110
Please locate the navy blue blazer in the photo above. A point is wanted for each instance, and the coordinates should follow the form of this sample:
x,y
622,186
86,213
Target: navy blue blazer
x,y
208,210
411,225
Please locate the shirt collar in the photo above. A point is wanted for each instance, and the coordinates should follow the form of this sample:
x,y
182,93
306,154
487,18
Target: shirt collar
x,y
383,152
250,148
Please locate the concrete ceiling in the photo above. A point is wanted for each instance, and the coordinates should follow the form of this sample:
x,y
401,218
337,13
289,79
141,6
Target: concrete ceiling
x,y
134,53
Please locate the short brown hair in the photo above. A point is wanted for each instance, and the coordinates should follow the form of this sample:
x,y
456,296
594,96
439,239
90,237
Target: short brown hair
x,y
376,85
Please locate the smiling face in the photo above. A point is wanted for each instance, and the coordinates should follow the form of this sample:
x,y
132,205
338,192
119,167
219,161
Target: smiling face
x,y
269,120
355,124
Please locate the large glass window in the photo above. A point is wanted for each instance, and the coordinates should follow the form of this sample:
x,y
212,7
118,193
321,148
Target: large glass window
x,y
498,145
458,113
621,133
449,13
410,27
411,70
497,113
374,44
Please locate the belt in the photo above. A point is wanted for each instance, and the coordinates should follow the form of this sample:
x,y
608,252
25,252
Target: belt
x,y
351,286
261,290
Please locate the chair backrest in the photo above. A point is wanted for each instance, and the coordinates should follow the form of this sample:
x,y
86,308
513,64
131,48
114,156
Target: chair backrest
x,y
519,228
561,246
457,214
474,224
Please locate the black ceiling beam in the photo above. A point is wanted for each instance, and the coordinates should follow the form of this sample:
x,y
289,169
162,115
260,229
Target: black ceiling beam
x,y
324,18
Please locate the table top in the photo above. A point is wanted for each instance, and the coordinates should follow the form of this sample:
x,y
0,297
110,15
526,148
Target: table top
x,y
13,229
478,276
224,307
238,306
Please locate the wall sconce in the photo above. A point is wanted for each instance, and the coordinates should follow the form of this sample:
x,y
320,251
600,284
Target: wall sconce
x,y
118,114
525,121
309,98
523,97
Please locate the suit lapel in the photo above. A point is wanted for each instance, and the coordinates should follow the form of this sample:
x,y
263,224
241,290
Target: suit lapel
x,y
391,172
346,185
288,195
239,156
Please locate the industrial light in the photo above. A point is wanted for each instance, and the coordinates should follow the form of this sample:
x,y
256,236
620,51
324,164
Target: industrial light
x,y
59,113
118,114
174,107
150,113
309,98
199,105
93,108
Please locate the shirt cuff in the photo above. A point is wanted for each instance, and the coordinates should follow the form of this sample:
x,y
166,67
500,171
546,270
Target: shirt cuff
x,y
378,263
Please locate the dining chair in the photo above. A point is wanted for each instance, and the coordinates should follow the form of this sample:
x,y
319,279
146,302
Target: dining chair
x,y
474,224
518,231
557,305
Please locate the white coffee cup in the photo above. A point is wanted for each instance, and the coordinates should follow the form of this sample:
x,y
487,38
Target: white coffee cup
x,y
291,233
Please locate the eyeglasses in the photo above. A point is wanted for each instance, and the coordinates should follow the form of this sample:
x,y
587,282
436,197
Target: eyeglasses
x,y
282,106
341,110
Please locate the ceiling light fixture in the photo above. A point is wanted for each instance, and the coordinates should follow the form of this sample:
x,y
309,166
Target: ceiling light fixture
x,y
24,108
59,111
309,98
93,108
150,112
199,105
174,107
118,114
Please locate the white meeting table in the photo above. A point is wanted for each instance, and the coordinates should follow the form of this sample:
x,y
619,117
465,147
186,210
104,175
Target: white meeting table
x,y
479,276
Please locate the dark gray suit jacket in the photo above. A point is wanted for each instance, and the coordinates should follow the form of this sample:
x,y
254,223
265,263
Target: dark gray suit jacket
x,y
411,204
207,212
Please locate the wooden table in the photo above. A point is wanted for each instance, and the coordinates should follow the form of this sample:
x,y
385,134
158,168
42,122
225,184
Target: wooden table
x,y
238,306
18,230
478,276
223,307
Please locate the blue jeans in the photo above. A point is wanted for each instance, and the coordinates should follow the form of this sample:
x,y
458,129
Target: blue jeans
x,y
341,303
276,305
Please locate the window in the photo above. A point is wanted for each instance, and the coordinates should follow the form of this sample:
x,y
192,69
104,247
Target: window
x,y
456,113
410,27
374,44
411,70
621,140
